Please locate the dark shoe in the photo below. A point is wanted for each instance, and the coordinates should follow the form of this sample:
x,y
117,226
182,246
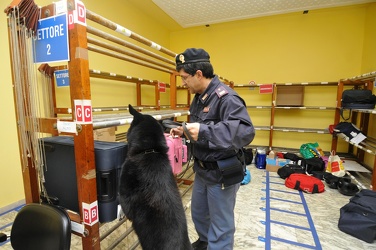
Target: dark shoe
x,y
331,180
345,187
199,245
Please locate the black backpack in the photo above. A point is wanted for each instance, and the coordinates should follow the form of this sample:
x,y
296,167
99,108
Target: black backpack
x,y
314,164
358,99
311,165
289,169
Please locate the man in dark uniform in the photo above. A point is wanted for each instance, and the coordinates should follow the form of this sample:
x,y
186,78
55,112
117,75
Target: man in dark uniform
x,y
219,127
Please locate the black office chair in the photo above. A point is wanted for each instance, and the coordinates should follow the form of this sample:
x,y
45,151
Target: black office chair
x,y
41,227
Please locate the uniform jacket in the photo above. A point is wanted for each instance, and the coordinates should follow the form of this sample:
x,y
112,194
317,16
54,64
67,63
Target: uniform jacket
x,y
225,125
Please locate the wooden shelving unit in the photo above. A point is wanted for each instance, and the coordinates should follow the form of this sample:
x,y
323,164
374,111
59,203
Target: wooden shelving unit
x,y
274,109
360,118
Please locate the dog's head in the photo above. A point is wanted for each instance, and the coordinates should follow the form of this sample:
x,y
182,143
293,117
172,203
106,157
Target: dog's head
x,y
145,133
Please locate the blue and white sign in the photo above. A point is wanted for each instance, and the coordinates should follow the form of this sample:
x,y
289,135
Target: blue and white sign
x,y
51,40
62,78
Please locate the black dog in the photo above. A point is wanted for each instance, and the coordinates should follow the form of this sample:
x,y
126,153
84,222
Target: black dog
x,y
149,195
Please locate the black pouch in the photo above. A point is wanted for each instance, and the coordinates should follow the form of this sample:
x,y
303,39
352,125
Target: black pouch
x,y
232,170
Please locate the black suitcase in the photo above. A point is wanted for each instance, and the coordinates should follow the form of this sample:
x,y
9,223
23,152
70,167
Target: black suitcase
x,y
60,175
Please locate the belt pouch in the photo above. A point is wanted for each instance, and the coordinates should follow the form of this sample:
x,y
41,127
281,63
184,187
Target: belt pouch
x,y
232,170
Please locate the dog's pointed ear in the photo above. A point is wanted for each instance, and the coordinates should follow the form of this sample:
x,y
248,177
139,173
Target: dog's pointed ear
x,y
134,112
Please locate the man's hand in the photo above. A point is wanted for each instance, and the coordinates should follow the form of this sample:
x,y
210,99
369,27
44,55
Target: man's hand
x,y
178,131
193,130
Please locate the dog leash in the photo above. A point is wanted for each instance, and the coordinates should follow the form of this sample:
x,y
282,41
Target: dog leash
x,y
186,132
173,124
170,124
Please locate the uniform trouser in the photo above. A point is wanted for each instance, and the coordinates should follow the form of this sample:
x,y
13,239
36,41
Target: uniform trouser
x,y
213,213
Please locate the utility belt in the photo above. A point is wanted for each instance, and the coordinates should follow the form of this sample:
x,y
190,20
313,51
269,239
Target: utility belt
x,y
208,165
232,168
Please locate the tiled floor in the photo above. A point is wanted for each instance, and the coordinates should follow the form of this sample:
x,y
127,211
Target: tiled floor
x,y
268,216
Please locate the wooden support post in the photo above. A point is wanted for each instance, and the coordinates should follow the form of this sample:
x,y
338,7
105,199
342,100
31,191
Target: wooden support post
x,y
274,98
30,180
84,141
173,90
337,115
138,93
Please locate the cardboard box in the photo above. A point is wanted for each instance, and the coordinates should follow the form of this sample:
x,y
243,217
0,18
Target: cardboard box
x,y
272,165
105,134
290,96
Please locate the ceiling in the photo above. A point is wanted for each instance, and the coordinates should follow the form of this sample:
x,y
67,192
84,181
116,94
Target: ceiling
x,y
184,14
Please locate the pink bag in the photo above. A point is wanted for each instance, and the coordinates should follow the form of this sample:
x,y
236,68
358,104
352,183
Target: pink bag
x,y
177,152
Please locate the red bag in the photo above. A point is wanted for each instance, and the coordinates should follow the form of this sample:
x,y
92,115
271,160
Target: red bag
x,y
305,183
